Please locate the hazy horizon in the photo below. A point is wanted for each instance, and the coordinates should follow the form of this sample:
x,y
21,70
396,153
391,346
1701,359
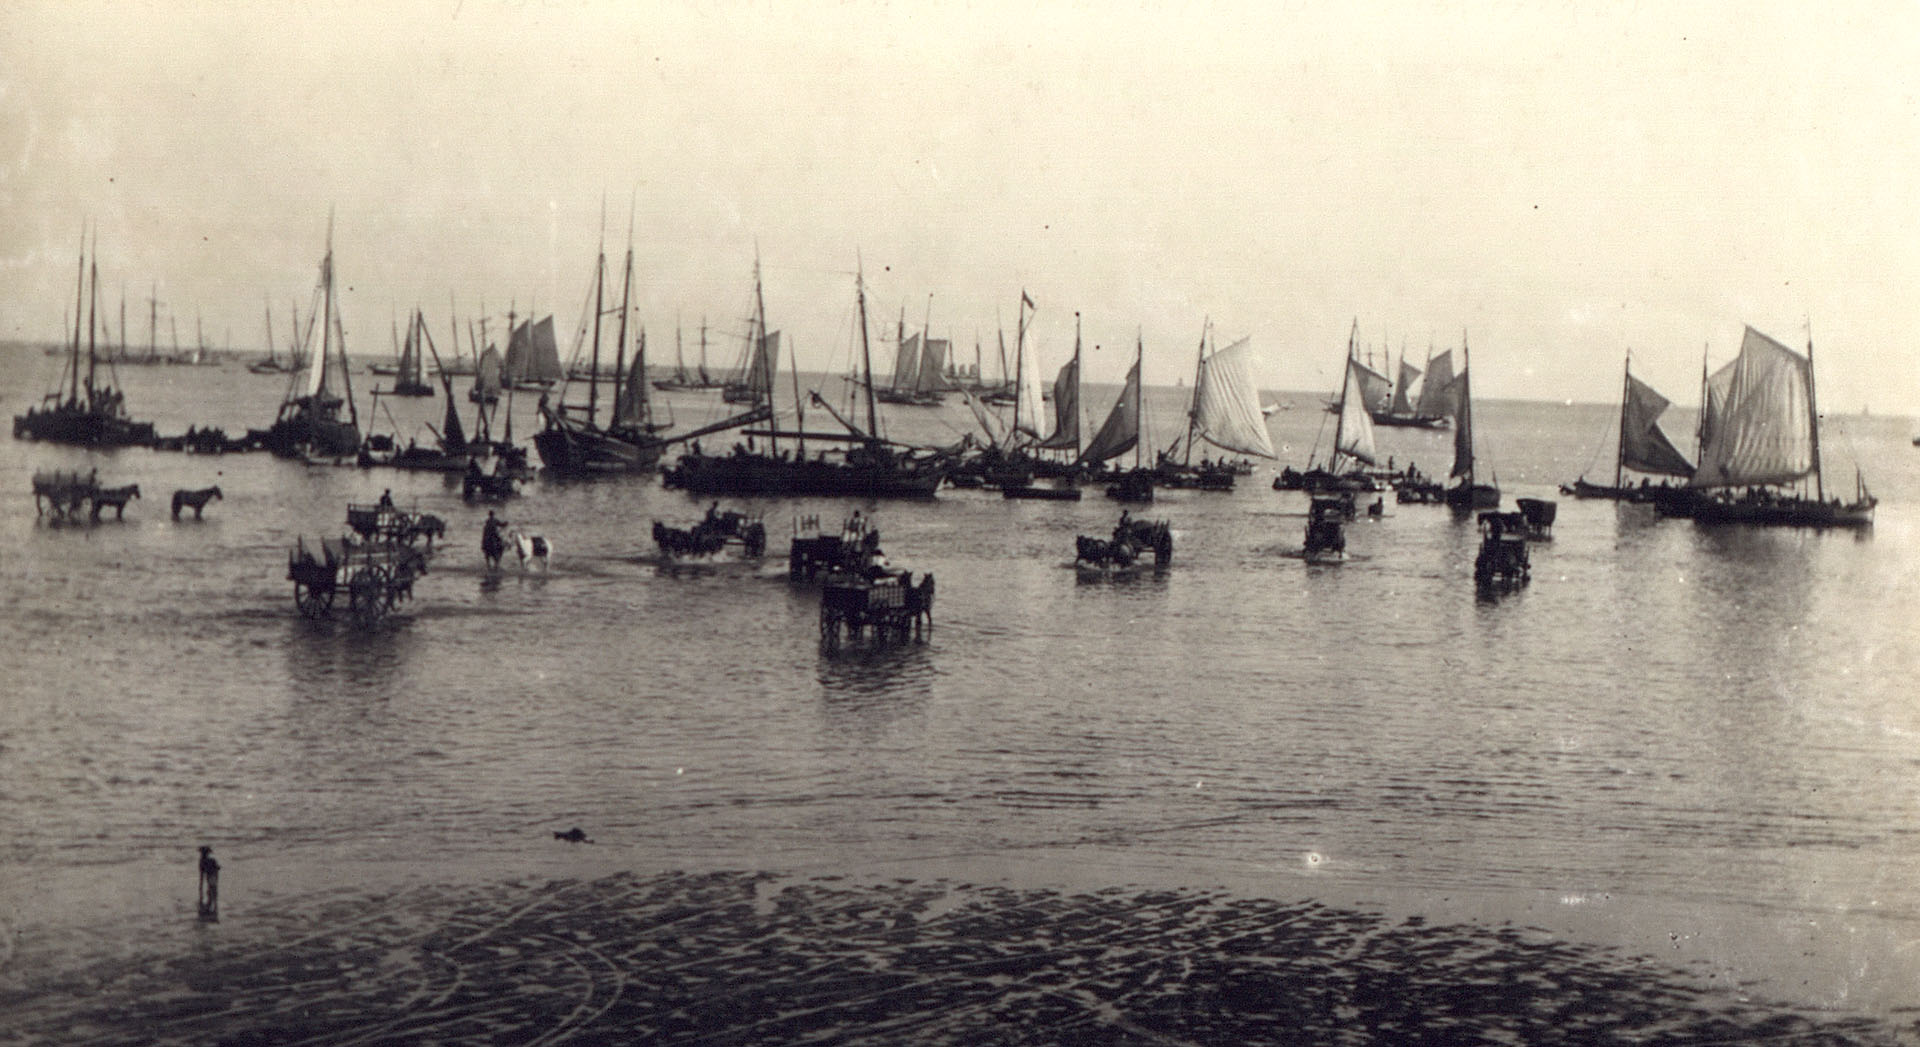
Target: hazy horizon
x,y
1557,186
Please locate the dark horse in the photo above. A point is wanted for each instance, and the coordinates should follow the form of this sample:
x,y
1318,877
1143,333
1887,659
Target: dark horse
x,y
195,500
116,497
710,535
1130,539
425,525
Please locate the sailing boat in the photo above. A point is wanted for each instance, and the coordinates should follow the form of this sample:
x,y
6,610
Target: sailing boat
x,y
1119,434
272,364
1225,412
91,413
917,367
752,382
870,466
1642,447
1402,409
309,422
1761,432
1467,495
682,379
533,357
572,440
407,379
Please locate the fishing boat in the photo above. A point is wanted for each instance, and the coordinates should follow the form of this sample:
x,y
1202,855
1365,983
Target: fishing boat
x,y
1642,447
317,416
1468,494
1119,434
572,441
868,465
1023,454
1225,412
272,364
752,380
1403,410
1760,443
917,364
1353,452
683,379
407,376
532,360
82,409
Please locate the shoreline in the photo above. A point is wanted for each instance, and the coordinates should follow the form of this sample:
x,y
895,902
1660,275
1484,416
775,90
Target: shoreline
x,y
939,952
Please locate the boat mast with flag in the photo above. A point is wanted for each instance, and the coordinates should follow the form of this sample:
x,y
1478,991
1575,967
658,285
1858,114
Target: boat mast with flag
x,y
1760,444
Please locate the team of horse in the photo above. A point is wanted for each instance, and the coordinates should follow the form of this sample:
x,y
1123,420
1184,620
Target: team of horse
x,y
1131,539
711,535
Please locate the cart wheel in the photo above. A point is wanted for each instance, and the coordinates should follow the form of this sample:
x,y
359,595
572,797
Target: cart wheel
x,y
368,596
315,604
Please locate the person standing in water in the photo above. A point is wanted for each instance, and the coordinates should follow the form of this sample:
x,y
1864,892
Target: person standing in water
x,y
209,885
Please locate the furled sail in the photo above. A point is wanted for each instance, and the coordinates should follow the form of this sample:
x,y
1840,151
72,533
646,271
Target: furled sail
x,y
1436,397
1355,436
453,438
1643,447
1226,406
1763,432
1066,407
1409,374
1121,431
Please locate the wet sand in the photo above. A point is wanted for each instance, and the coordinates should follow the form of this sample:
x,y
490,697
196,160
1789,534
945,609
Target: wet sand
x,y
755,958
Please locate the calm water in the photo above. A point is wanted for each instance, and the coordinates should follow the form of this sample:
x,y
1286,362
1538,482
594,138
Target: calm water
x,y
1698,720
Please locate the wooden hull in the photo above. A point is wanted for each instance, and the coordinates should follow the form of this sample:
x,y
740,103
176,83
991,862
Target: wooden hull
x,y
759,474
1029,492
577,450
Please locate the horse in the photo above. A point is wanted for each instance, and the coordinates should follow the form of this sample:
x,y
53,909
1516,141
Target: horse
x,y
116,497
425,525
195,500
1130,539
534,549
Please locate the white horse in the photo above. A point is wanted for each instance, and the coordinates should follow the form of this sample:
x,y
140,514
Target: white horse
x,y
535,551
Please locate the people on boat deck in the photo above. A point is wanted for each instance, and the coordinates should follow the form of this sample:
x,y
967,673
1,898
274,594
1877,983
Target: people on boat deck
x,y
386,498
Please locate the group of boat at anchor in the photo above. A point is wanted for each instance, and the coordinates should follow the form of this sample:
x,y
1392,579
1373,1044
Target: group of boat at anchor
x,y
1758,447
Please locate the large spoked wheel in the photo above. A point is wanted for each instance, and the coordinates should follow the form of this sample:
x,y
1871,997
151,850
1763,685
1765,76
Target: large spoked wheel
x,y
369,597
315,603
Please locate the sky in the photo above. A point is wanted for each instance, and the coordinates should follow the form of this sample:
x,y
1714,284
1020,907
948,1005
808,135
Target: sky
x,y
1553,184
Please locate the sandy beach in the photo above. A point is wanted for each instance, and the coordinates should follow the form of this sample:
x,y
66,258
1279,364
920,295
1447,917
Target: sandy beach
x,y
759,958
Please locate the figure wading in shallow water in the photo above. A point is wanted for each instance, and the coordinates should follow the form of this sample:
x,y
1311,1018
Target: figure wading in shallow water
x,y
493,542
209,886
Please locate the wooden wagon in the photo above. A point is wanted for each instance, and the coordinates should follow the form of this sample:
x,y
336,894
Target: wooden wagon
x,y
1503,561
374,568
883,606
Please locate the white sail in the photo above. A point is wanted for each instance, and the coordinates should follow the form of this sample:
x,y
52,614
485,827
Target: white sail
x,y
933,361
1374,389
1354,437
1226,406
1762,432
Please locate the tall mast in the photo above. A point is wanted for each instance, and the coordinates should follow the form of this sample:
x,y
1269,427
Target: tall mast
x,y
1813,421
1346,378
79,294
93,303
1076,382
153,323
866,356
1620,451
619,357
1139,354
1466,407
593,376
761,364
1019,358
1193,408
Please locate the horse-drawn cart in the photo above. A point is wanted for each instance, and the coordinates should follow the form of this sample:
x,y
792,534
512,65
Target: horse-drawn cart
x,y
885,605
374,571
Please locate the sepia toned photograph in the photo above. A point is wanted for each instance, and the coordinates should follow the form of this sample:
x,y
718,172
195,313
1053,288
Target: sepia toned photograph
x,y
752,522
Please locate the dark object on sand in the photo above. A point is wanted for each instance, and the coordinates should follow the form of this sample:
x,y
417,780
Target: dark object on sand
x,y
573,835
209,891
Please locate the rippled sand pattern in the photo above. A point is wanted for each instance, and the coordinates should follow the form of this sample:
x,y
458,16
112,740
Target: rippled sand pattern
x,y
743,958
